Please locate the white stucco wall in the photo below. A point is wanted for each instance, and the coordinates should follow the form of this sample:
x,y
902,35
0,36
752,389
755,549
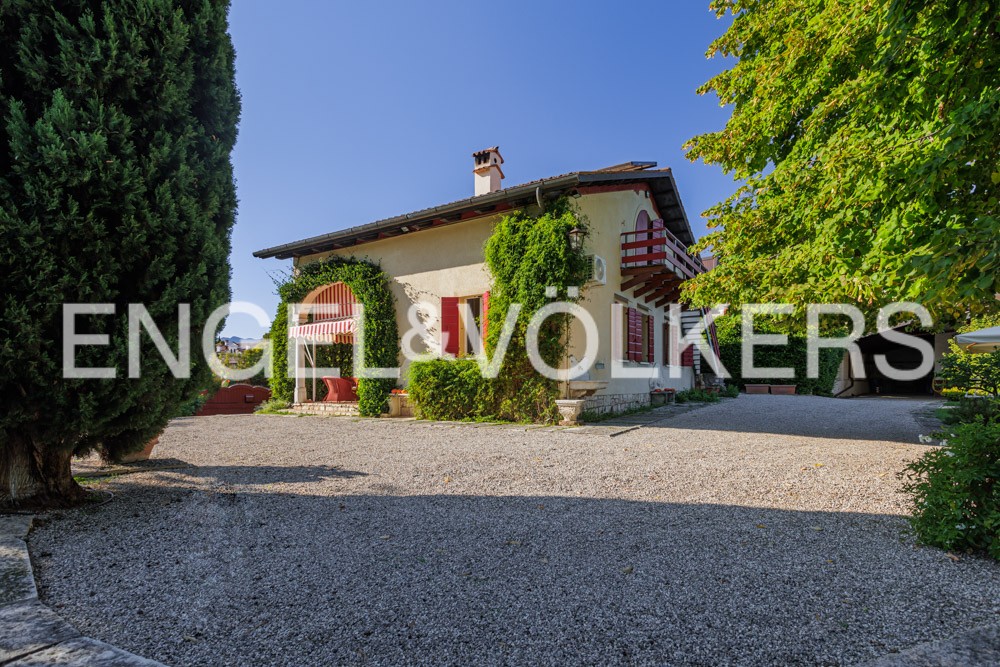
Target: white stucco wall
x,y
448,261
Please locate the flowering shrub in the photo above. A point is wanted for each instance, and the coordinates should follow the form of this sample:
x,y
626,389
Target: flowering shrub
x,y
956,490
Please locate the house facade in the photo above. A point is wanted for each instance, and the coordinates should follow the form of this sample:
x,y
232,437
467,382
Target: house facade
x,y
637,238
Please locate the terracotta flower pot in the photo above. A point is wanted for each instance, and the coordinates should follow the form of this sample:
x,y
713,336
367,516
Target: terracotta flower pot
x,y
783,389
758,388
143,454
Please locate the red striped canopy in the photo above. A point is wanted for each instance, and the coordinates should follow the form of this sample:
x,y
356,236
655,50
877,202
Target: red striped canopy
x,y
334,302
331,331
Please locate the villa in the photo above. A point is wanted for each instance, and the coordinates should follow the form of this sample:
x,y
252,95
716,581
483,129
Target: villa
x,y
637,239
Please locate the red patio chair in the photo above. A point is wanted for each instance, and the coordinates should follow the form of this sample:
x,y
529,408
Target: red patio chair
x,y
339,390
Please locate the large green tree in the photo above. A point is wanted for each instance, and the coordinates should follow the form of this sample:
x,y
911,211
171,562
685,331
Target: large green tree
x,y
864,136
117,119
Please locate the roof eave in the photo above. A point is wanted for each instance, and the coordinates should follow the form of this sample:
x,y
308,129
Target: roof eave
x,y
667,200
481,202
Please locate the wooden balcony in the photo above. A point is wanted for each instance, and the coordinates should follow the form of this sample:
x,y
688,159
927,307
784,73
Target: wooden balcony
x,y
654,263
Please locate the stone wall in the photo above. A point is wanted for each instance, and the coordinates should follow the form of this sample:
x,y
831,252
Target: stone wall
x,y
615,403
331,409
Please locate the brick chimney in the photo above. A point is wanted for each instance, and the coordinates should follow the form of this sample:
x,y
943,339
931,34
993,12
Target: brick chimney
x,y
488,173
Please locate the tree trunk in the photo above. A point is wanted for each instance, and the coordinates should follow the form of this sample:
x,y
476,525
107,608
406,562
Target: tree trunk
x,y
34,474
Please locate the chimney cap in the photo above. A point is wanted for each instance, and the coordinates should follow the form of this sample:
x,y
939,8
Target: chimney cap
x,y
487,151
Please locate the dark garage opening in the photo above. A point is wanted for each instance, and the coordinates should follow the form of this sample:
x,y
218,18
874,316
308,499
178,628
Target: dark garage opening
x,y
898,356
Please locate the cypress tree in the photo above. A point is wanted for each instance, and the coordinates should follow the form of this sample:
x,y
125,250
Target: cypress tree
x,y
117,120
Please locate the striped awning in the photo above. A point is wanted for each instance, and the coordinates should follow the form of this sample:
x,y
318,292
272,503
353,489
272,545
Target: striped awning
x,y
330,331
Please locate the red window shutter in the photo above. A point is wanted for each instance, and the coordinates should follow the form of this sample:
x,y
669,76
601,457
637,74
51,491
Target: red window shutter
x,y
687,356
634,335
449,324
650,347
666,343
485,318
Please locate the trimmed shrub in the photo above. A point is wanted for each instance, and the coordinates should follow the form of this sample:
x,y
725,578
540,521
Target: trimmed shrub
x,y
953,394
449,389
793,356
956,491
731,391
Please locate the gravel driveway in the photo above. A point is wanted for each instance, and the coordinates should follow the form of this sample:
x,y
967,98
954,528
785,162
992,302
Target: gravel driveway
x,y
761,530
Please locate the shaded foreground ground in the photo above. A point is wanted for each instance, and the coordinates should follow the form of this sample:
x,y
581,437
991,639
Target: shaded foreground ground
x,y
747,532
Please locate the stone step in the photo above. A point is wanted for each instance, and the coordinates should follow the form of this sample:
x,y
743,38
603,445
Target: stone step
x,y
83,652
27,627
332,409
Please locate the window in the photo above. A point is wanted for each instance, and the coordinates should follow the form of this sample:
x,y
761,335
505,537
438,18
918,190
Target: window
x,y
620,345
456,339
636,335
468,346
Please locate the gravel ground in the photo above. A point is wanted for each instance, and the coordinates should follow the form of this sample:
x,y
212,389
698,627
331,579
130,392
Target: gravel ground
x,y
762,530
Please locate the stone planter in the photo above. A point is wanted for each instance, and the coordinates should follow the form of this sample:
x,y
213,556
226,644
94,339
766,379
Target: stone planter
x,y
658,398
400,406
783,389
758,388
569,410
143,454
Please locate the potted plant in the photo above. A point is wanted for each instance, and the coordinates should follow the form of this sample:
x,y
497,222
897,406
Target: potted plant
x,y
399,403
143,454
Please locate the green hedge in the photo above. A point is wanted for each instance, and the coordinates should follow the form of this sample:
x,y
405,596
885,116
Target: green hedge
x,y
371,287
792,355
449,389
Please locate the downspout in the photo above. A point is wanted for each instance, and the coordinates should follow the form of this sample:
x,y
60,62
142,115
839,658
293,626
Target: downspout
x,y
538,198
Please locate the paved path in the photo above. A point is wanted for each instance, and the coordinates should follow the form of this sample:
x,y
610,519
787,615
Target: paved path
x,y
617,426
31,634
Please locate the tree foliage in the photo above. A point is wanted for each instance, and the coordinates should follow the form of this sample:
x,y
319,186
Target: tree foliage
x,y
116,125
864,136
972,372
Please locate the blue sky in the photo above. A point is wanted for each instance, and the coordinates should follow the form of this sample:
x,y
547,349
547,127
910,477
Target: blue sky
x,y
354,112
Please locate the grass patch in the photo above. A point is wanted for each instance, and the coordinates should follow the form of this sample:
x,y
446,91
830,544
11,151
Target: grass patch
x,y
274,407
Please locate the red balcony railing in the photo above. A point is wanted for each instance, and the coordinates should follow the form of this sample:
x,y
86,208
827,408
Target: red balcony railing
x,y
658,247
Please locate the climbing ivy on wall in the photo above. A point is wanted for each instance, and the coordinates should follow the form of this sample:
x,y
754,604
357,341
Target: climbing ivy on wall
x,y
524,255
371,287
